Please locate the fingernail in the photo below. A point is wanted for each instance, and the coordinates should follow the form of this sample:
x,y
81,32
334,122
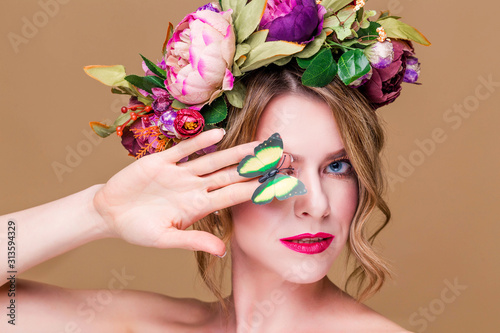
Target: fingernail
x,y
223,131
222,255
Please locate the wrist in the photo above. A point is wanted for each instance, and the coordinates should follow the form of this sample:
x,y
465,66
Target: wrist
x,y
100,227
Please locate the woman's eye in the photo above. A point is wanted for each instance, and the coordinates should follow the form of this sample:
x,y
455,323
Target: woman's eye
x,y
341,167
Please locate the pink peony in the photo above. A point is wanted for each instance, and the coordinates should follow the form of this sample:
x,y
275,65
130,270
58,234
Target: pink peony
x,y
199,57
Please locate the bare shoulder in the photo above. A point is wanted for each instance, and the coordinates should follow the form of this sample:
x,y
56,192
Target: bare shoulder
x,y
47,308
358,317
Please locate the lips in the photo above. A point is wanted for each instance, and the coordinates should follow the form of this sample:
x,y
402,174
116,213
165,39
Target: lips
x,y
308,243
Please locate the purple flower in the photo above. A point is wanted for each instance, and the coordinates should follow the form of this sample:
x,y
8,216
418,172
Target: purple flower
x,y
162,101
412,70
209,6
292,20
166,123
385,84
379,54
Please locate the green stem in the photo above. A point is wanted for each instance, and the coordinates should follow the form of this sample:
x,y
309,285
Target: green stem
x,y
340,45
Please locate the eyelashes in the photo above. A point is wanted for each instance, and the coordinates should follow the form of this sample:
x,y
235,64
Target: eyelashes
x,y
343,161
342,164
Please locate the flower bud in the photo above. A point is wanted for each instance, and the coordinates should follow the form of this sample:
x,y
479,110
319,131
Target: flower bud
x,y
380,55
412,70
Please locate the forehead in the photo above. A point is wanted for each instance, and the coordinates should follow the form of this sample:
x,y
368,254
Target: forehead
x,y
307,126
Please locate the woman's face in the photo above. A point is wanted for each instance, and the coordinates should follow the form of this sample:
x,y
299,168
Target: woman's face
x,y
309,132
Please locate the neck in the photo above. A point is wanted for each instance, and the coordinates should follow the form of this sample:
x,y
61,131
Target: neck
x,y
266,301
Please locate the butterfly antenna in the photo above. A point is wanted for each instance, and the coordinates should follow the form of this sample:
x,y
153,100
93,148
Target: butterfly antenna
x,y
281,163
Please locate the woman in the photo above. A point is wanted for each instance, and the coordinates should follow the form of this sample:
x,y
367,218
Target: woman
x,y
274,64
334,138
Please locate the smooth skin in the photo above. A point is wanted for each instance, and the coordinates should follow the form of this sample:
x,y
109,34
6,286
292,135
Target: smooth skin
x,y
163,194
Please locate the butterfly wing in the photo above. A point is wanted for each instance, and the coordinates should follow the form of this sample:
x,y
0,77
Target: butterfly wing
x,y
282,187
267,156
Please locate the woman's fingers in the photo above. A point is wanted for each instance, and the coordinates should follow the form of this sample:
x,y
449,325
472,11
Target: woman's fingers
x,y
187,147
220,159
195,240
232,194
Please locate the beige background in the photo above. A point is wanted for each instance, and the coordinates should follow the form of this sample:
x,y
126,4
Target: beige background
x,y
445,209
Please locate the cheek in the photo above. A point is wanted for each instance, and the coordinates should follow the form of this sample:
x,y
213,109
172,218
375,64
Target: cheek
x,y
246,217
345,209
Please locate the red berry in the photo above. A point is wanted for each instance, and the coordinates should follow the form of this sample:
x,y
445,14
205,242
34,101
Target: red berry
x,y
146,119
124,109
120,133
133,115
147,108
119,129
133,108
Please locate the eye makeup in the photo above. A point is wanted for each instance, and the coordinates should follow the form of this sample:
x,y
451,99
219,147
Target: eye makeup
x,y
339,157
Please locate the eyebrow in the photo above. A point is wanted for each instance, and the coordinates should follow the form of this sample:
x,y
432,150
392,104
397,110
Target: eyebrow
x,y
338,153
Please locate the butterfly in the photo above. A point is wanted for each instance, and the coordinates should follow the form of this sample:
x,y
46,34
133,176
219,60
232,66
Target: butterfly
x,y
265,165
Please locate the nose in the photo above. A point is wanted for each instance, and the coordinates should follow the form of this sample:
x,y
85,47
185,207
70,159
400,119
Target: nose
x,y
315,203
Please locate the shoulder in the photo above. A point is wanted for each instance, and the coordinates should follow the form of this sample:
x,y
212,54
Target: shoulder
x,y
358,317
104,310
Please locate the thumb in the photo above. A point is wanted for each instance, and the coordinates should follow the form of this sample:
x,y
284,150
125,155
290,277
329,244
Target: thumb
x,y
195,240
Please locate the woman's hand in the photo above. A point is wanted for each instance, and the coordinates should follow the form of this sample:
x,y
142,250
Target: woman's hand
x,y
152,201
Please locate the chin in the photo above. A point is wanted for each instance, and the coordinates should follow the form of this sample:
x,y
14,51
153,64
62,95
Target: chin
x,y
308,269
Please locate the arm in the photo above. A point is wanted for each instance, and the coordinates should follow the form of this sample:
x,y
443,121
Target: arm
x,y
49,230
151,203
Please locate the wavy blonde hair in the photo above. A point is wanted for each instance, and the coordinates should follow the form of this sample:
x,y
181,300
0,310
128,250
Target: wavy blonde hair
x,y
363,138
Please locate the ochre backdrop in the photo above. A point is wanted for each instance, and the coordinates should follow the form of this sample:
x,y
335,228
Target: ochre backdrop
x,y
442,151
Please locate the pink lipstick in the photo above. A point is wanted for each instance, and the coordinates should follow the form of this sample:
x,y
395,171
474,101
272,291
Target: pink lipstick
x,y
308,243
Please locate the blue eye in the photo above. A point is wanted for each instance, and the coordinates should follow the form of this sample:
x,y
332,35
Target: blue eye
x,y
341,167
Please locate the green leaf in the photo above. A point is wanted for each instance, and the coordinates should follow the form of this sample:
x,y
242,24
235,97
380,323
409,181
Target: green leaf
x,y
248,19
331,22
321,70
216,112
145,83
122,118
346,18
369,33
352,65
241,49
154,68
283,61
236,96
170,31
257,38
157,81
269,52
109,75
313,47
304,62
100,129
335,5
397,29
235,5
178,105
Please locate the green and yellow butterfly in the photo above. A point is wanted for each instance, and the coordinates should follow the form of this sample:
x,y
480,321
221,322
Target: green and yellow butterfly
x,y
265,165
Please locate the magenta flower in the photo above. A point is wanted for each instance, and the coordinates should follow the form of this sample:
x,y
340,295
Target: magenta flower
x,y
162,101
199,57
188,123
134,142
297,21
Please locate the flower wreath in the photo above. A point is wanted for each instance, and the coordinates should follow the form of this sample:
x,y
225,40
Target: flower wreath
x,y
208,52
